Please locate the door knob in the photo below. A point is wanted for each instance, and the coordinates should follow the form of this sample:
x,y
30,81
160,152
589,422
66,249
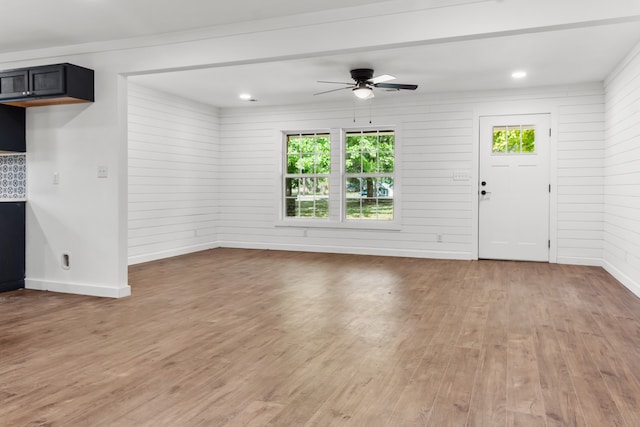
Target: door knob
x,y
483,192
483,183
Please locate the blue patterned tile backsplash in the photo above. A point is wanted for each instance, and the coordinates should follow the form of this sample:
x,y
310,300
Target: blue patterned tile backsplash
x,y
13,176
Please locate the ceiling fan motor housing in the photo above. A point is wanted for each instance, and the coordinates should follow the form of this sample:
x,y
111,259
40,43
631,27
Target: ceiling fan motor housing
x,y
362,74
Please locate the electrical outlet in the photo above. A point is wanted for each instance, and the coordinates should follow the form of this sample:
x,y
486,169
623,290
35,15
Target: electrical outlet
x,y
439,238
56,178
65,261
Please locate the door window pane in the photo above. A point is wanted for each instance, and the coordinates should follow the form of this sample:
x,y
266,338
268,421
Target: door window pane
x,y
514,139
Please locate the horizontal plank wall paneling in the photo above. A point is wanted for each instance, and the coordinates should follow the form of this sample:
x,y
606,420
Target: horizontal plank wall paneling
x,y
173,186
436,138
580,216
622,173
434,142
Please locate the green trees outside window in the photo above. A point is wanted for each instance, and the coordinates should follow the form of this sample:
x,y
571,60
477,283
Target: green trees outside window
x,y
514,139
369,174
307,176
369,171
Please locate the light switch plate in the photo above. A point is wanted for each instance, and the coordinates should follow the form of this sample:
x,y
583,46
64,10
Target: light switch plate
x,y
103,172
461,176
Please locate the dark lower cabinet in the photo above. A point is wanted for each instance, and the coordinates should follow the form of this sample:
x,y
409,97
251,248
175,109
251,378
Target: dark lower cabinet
x,y
12,253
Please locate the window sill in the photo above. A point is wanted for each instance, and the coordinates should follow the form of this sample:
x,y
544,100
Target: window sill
x,y
342,225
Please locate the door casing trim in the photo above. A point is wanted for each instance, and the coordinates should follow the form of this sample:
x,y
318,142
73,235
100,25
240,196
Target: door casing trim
x,y
512,109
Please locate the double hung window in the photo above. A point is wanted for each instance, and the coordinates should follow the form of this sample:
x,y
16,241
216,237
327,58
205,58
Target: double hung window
x,y
363,178
308,168
369,174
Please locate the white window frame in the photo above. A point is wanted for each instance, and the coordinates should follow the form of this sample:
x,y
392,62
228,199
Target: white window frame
x,y
286,175
370,223
337,184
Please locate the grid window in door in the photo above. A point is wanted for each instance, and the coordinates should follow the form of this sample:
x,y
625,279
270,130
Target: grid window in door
x,y
369,174
306,183
516,139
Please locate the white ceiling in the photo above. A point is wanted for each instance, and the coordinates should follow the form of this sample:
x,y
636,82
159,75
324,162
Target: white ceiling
x,y
36,24
551,57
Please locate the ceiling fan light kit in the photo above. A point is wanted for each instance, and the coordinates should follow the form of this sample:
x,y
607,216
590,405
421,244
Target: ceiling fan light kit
x,y
365,82
363,91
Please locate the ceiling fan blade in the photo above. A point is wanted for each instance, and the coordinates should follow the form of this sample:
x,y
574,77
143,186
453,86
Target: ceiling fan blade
x,y
335,83
381,79
396,86
333,90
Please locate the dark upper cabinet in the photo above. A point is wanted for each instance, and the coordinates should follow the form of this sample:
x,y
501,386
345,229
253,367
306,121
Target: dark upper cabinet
x,y
46,85
13,84
12,129
44,81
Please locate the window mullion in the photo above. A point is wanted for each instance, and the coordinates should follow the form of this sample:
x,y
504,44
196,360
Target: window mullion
x,y
335,177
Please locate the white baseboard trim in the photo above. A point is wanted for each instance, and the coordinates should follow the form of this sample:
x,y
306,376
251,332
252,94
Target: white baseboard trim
x,y
78,288
352,250
138,259
626,281
595,262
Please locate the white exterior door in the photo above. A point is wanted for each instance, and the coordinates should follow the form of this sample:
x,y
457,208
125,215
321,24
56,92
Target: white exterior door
x,y
514,187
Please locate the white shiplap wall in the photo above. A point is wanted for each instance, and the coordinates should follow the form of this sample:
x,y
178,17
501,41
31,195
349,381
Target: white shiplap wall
x,y
437,136
622,173
173,160
580,151
434,143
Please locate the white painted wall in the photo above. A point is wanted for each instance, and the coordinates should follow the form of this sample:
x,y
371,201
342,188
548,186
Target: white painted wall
x,y
622,173
579,190
173,162
81,215
437,135
432,140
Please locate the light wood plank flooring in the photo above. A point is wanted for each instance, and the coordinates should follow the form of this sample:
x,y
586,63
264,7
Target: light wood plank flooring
x,y
263,338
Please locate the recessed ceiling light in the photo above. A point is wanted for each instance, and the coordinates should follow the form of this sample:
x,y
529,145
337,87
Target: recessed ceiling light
x,y
519,74
245,96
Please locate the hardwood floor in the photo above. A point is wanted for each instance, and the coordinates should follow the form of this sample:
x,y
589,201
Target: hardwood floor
x,y
263,338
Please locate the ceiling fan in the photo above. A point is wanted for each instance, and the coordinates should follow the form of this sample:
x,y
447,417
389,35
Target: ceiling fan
x,y
365,82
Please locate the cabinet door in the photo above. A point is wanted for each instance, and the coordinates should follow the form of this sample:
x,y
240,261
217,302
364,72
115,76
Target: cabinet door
x,y
12,241
13,84
46,80
12,130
